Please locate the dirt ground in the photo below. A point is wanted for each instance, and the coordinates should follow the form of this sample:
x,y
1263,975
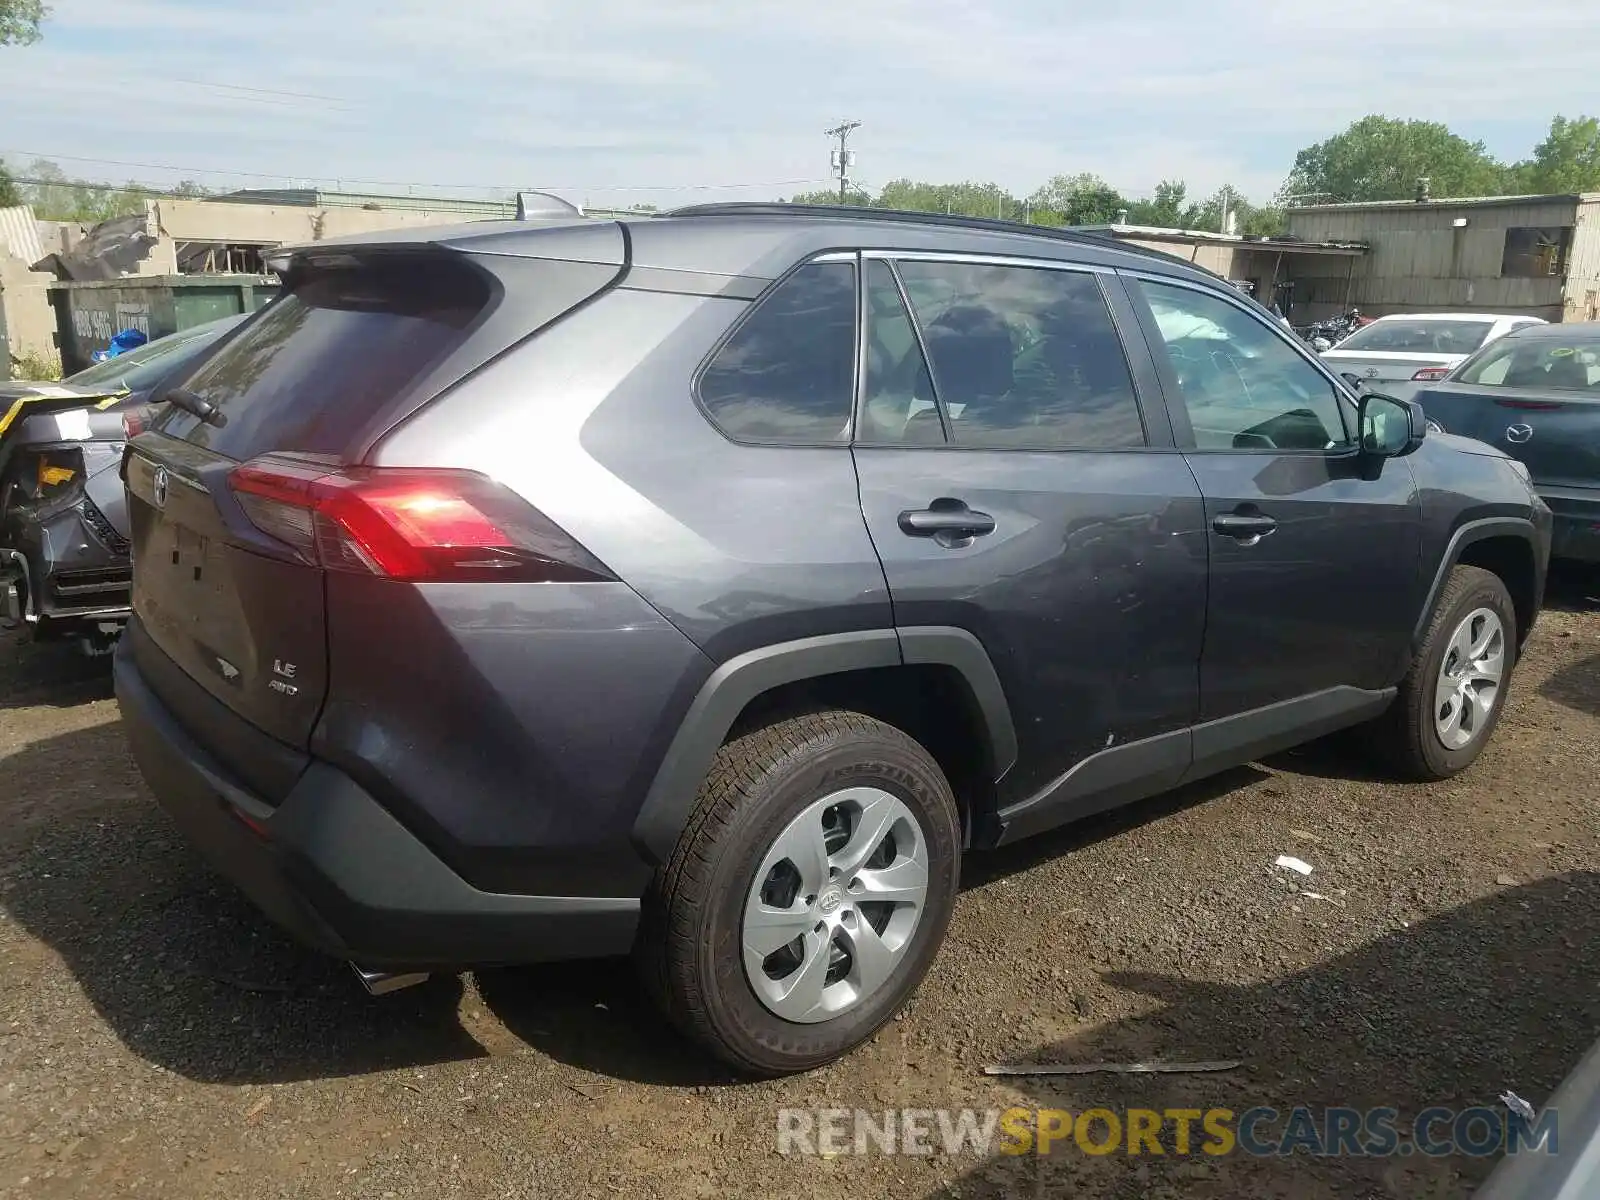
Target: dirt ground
x,y
158,1038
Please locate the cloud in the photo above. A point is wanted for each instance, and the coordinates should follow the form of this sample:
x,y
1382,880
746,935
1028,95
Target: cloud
x,y
617,100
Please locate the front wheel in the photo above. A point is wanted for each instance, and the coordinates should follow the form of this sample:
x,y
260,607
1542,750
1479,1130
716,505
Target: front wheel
x,y
809,892
1451,699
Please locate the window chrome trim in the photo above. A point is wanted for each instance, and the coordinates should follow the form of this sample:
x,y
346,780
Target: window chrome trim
x,y
989,260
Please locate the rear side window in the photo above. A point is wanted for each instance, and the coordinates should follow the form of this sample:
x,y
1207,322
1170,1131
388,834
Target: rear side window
x,y
787,375
321,360
1540,362
1419,337
1024,357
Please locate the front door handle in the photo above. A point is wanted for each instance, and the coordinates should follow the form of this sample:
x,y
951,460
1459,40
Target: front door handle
x,y
1248,528
947,520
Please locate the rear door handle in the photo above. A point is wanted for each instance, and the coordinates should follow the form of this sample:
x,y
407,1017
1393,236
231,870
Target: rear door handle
x,y
946,520
1248,528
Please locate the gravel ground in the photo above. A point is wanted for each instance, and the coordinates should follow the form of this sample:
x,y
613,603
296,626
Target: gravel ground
x,y
157,1038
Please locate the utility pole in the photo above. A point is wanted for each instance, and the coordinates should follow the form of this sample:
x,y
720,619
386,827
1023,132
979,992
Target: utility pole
x,y
843,159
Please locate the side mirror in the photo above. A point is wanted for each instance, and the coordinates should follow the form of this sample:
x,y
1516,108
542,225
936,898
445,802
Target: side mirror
x,y
1355,381
1391,428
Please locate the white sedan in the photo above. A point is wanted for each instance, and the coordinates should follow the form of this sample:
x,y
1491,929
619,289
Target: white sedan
x,y
1398,355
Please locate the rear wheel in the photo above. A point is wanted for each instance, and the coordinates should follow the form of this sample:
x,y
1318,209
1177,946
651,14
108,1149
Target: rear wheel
x,y
1451,699
808,894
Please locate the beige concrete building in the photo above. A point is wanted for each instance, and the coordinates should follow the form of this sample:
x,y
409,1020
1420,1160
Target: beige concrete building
x,y
1534,255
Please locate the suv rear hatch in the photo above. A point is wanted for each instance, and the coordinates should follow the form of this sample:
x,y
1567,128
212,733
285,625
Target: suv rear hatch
x,y
237,516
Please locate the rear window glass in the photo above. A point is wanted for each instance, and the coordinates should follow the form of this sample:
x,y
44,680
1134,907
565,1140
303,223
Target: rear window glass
x,y
323,358
1555,363
1419,337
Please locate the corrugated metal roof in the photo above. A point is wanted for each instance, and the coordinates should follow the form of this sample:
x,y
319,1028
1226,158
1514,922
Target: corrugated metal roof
x,y
1449,202
19,234
1235,241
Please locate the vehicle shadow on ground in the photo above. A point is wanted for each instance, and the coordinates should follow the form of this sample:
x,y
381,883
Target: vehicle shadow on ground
x,y
985,866
1497,994
191,977
184,971
49,674
596,1016
1572,587
1576,686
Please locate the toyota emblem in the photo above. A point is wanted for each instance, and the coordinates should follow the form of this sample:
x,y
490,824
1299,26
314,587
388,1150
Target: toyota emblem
x,y
1519,433
1372,372
158,487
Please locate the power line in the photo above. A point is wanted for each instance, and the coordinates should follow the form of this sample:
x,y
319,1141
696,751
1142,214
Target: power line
x,y
257,91
341,180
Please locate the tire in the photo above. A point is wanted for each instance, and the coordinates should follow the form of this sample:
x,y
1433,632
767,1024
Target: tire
x,y
1409,734
762,796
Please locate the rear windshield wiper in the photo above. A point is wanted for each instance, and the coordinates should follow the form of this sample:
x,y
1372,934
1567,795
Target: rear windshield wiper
x,y
193,404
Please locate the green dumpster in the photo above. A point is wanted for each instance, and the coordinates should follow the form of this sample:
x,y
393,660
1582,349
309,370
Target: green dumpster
x,y
90,313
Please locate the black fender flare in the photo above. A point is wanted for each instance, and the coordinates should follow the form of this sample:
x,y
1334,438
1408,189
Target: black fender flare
x,y
1464,536
741,679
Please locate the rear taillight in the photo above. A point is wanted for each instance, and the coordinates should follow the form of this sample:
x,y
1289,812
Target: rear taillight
x,y
419,525
1531,405
1430,374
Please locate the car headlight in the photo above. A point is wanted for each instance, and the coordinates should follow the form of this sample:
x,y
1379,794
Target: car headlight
x,y
1435,427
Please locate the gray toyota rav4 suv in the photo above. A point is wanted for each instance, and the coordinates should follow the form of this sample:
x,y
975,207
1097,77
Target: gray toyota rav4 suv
x,y
703,586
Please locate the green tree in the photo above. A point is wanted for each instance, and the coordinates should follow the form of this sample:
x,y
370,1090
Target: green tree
x,y
1380,158
968,199
1083,199
19,21
1164,210
55,197
829,196
1568,160
1263,222
9,195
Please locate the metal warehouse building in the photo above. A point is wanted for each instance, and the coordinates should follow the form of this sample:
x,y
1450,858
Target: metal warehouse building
x,y
1534,255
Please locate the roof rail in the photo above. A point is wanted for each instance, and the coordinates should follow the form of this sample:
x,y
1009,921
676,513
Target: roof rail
x,y
912,217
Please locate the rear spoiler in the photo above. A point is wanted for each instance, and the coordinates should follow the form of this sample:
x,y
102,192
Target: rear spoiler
x,y
533,208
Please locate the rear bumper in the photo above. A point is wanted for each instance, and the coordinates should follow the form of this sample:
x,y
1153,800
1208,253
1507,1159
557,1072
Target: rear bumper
x,y
339,872
1576,532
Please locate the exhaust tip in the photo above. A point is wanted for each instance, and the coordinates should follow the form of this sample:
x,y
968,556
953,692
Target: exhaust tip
x,y
381,983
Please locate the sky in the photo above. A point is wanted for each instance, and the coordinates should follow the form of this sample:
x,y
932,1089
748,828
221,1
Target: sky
x,y
613,102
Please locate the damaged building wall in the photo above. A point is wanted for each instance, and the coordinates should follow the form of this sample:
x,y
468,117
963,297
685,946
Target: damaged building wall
x,y
28,321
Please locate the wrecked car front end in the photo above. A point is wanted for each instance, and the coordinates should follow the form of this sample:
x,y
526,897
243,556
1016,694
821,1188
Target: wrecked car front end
x,y
65,569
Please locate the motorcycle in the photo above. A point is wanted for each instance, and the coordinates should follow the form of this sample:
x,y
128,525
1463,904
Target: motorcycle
x,y
1329,332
